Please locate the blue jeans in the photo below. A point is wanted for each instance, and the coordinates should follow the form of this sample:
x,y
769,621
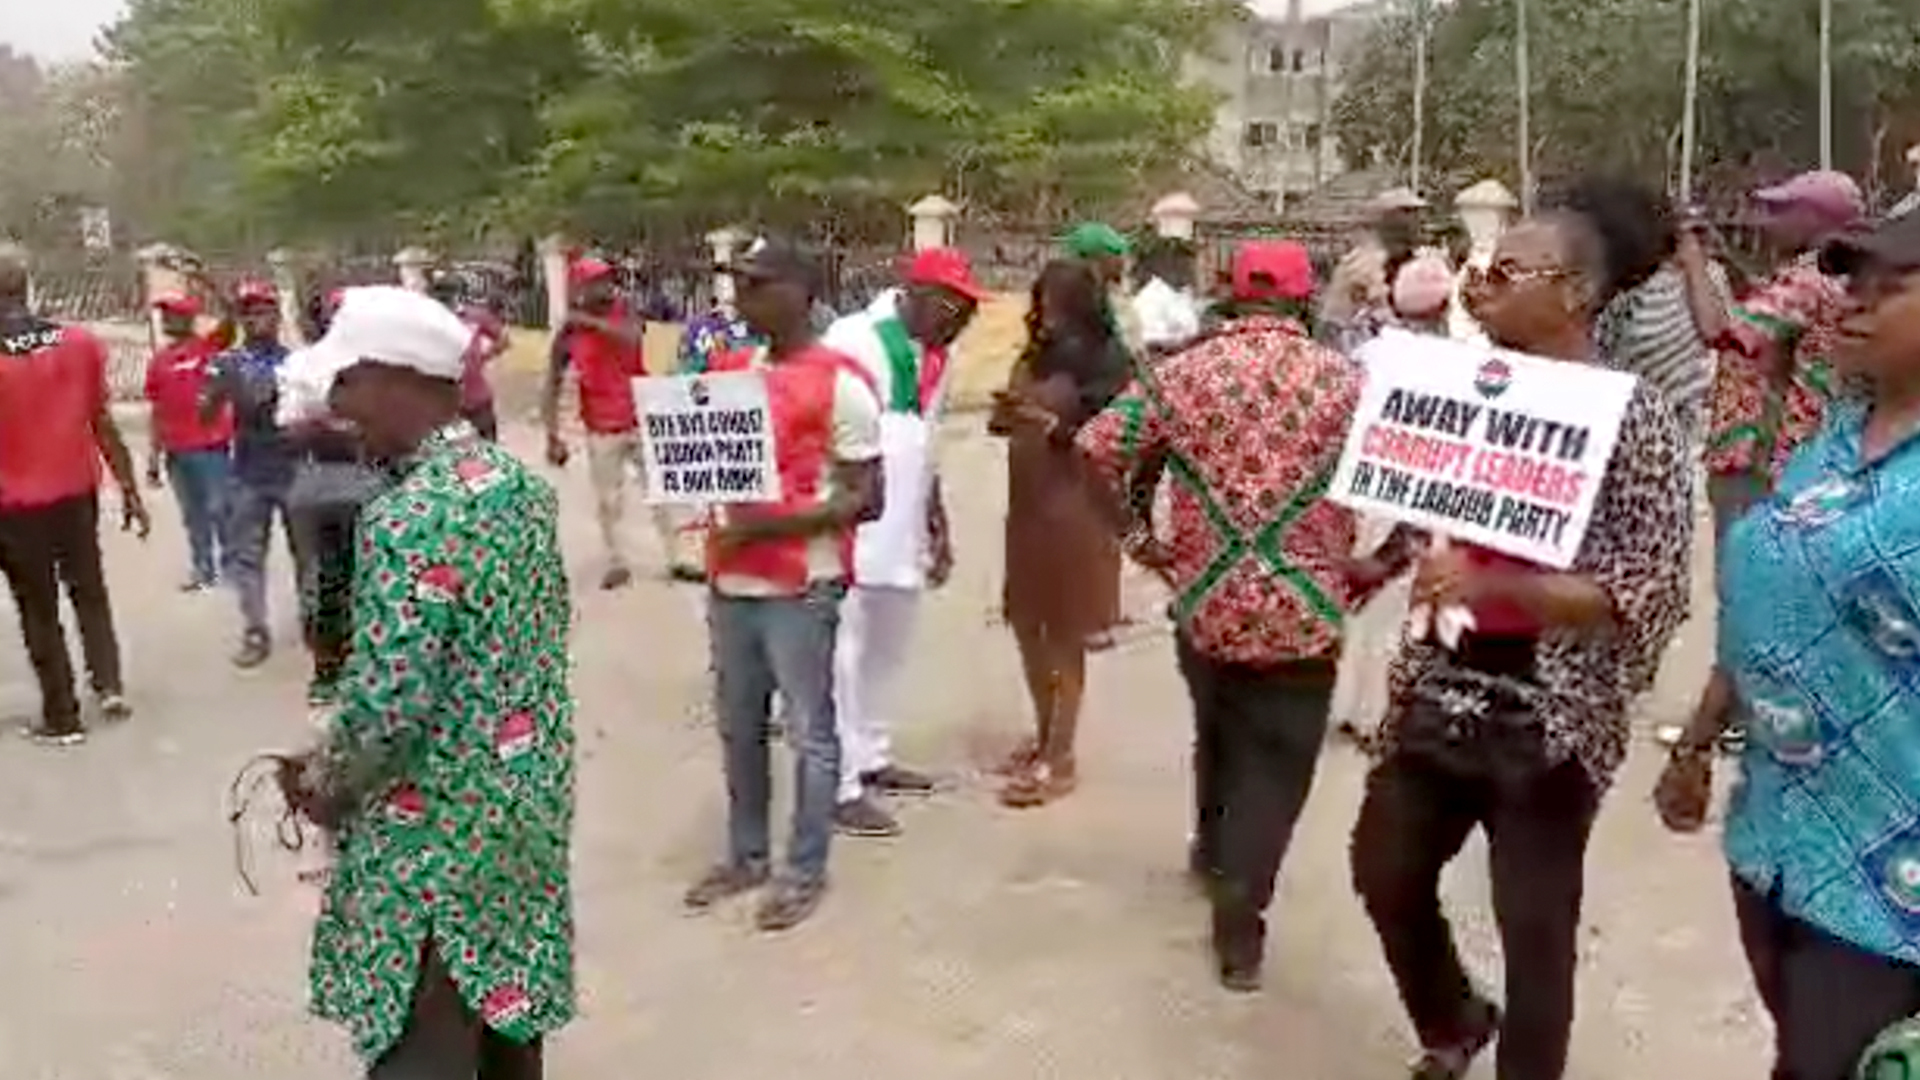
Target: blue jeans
x,y
250,534
760,645
200,481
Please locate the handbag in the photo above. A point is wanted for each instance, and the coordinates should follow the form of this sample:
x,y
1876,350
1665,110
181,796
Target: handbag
x,y
1476,714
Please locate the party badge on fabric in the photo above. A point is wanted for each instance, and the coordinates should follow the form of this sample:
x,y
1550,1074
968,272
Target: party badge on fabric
x,y
477,474
1879,609
1788,730
514,736
1819,505
407,805
507,1009
438,585
1894,866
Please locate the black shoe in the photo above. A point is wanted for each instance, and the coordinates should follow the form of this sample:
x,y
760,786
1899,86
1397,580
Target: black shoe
x,y
789,905
687,574
617,578
894,780
864,817
1456,1061
113,706
1239,947
724,883
255,648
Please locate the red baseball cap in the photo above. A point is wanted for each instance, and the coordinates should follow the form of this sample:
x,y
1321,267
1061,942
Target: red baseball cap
x,y
256,292
947,268
582,271
178,303
1272,270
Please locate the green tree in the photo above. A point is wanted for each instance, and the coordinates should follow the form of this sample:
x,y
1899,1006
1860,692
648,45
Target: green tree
x,y
1607,87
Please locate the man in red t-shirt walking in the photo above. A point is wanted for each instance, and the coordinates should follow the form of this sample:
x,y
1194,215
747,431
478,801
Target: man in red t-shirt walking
x,y
56,425
601,343
196,454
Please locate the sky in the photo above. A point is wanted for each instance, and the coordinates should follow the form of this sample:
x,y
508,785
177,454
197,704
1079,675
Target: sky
x,y
64,29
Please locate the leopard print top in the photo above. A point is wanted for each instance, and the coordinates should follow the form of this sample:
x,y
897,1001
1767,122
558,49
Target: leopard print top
x,y
1639,548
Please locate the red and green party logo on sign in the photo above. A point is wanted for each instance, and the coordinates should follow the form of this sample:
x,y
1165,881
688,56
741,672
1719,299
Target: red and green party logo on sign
x,y
1493,378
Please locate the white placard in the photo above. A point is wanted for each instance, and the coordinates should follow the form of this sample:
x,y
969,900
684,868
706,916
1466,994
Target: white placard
x,y
1489,447
707,440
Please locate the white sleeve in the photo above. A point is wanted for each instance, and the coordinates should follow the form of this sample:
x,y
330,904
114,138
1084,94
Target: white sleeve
x,y
301,396
856,419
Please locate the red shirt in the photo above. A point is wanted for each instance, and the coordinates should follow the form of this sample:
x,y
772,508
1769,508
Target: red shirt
x,y
1501,618
1251,422
605,367
175,377
53,387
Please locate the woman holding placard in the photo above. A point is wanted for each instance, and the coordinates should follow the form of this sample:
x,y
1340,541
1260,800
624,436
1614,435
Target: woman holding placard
x,y
1517,725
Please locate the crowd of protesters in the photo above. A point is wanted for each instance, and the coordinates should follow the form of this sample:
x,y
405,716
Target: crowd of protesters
x,y
1191,428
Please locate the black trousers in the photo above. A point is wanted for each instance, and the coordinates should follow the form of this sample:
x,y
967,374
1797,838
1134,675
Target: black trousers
x,y
42,550
1257,738
444,1040
1828,999
1413,821
325,533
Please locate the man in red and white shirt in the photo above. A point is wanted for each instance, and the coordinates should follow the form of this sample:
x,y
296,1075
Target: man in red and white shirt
x,y
196,453
601,343
778,572
55,427
901,341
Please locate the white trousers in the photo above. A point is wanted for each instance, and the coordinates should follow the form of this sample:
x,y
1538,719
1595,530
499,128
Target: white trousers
x,y
876,627
613,460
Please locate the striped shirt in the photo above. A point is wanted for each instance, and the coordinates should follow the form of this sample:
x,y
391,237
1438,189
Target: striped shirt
x,y
1649,331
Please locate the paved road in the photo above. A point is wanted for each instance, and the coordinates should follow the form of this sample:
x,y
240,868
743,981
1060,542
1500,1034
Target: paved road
x,y
1055,945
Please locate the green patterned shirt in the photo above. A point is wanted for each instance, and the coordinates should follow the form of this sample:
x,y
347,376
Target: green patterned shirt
x,y
457,724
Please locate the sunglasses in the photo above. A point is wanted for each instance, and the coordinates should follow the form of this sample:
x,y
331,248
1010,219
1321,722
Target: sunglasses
x,y
1505,276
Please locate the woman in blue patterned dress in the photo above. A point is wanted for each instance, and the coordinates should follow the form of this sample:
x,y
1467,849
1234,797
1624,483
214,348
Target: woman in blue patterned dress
x,y
1820,657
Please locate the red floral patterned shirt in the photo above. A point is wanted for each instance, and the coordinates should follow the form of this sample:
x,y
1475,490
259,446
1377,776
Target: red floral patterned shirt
x,y
1250,422
1757,422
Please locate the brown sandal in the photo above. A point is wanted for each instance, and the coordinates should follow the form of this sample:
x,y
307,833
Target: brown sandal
x,y
1039,786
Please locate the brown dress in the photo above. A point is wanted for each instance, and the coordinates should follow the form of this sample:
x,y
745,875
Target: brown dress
x,y
1062,557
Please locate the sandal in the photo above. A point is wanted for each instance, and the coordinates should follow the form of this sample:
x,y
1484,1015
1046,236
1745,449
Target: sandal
x,y
1039,786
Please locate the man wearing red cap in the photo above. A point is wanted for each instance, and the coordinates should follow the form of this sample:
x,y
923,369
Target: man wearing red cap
x,y
1250,422
194,452
603,347
246,380
902,344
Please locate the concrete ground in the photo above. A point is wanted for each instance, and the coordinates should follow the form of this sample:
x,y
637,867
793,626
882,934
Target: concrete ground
x,y
1061,943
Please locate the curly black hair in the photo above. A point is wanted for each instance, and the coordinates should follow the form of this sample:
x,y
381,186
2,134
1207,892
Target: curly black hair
x,y
1634,224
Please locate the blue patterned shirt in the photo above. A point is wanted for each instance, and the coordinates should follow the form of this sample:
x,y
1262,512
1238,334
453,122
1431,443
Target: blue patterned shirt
x,y
1820,630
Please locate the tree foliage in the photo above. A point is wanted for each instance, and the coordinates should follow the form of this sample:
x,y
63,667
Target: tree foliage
x,y
347,118
1608,88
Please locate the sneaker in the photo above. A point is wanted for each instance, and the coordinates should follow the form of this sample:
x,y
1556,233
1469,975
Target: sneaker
x,y
687,574
197,583
724,883
789,905
864,817
894,780
255,648
617,578
1456,1061
64,734
113,706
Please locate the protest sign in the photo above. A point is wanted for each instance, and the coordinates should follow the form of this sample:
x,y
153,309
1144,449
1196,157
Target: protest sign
x,y
1489,447
707,439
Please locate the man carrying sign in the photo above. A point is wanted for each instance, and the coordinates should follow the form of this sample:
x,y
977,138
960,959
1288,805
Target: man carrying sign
x,y
901,342
778,572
